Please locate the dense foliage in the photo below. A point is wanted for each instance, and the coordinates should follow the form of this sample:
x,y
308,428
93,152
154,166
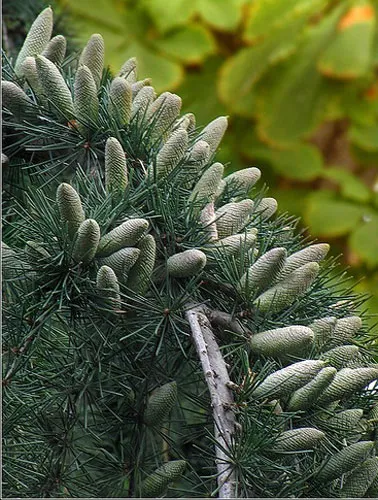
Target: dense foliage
x,y
299,80
140,284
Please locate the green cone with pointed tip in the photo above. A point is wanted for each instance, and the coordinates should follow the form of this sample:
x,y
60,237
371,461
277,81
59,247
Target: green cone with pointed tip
x,y
128,70
340,356
155,485
199,154
281,341
108,284
140,274
232,245
263,272
344,461
126,235
137,86
54,87
344,331
88,238
286,292
241,182
86,100
37,38
208,223
56,50
233,217
141,103
288,379
29,69
343,422
187,122
162,114
306,396
323,329
171,154
36,251
159,404
213,133
116,178
93,57
266,208
15,100
348,381
70,209
186,264
313,253
122,261
120,100
205,189
360,480
305,438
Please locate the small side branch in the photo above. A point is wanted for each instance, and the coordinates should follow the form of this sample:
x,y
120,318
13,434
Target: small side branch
x,y
218,382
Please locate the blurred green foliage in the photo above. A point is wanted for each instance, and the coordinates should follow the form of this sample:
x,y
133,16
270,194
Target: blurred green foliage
x,y
298,79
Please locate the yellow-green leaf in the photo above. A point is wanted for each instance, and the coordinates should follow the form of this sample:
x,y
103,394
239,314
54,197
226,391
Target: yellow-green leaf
x,y
364,239
191,44
274,13
329,216
365,137
169,14
350,185
350,54
222,14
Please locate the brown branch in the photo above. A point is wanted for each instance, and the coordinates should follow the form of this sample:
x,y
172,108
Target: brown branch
x,y
222,401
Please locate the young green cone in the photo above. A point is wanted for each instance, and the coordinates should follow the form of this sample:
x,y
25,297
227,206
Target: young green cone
x,y
128,70
186,264
266,208
240,183
122,261
37,38
116,177
29,69
199,154
306,396
93,57
344,461
159,404
140,274
141,103
120,100
214,132
345,330
323,329
54,87
56,50
107,282
339,357
348,381
205,190
343,422
70,209
305,438
360,480
137,86
162,114
289,340
155,485
282,295
171,154
15,100
313,253
263,272
126,235
233,217
88,238
232,245
85,98
288,379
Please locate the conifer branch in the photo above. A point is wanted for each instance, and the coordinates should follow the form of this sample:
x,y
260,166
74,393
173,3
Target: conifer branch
x,y
218,381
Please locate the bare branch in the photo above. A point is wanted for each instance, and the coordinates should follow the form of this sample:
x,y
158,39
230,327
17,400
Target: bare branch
x,y
218,380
